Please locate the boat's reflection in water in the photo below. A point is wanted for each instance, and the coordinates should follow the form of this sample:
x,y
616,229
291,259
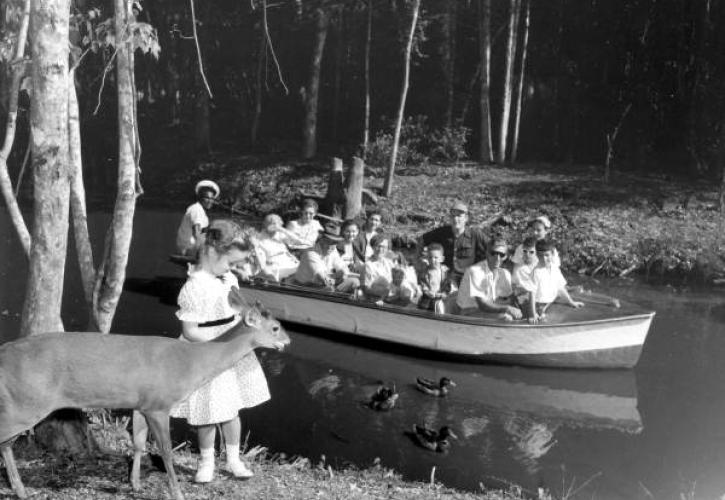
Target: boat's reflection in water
x,y
526,425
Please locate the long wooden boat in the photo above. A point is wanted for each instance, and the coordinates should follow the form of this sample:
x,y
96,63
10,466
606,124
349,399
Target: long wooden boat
x,y
605,334
599,335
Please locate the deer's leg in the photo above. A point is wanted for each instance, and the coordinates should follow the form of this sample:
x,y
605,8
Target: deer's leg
x,y
9,459
159,423
140,435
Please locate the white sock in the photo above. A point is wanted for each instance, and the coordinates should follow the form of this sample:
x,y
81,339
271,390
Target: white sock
x,y
232,452
206,454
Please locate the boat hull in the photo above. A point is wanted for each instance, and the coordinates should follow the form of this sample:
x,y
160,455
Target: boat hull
x,y
612,342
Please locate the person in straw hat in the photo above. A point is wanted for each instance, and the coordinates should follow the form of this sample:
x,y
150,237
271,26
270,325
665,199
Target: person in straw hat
x,y
189,236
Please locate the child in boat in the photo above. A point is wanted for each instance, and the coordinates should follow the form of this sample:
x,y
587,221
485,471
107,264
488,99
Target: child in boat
x,y
539,229
378,271
274,260
434,281
549,283
404,289
324,266
189,236
205,314
522,278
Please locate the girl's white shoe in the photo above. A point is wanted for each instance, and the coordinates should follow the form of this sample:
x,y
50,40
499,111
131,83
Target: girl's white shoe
x,y
204,471
239,469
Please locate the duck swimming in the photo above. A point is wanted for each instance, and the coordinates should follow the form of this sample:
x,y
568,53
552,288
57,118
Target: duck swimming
x,y
383,399
432,440
433,388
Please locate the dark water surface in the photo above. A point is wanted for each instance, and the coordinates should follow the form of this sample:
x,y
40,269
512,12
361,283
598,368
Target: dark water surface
x,y
653,432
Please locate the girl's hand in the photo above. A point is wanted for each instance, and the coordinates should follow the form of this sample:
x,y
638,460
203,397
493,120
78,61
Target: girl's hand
x,y
576,304
534,320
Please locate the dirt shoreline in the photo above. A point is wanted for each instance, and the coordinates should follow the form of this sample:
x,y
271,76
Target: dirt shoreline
x,y
661,229
104,475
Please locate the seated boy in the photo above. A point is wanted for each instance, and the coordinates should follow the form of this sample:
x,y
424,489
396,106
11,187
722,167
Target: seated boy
x,y
522,277
434,281
486,286
549,283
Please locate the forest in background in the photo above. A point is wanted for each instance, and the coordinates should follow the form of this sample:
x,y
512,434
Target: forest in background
x,y
647,73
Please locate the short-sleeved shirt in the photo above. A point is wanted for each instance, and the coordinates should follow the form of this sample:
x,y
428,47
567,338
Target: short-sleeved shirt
x,y
274,257
523,277
185,239
548,281
308,233
461,251
480,281
204,298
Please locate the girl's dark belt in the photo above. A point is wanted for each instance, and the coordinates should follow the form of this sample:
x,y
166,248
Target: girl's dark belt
x,y
217,322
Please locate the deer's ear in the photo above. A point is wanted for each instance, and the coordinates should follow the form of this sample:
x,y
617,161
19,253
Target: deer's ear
x,y
237,300
252,317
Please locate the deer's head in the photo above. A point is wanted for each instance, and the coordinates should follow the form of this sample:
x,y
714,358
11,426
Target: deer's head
x,y
266,330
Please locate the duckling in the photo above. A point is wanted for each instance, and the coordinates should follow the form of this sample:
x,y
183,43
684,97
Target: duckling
x,y
432,440
433,388
383,399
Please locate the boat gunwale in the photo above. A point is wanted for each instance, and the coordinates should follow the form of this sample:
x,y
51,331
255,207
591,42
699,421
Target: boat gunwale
x,y
301,291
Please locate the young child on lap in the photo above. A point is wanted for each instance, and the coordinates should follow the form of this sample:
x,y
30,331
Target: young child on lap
x,y
522,277
434,281
404,289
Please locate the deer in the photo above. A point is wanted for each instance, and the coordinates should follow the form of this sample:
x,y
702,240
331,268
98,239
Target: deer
x,y
149,374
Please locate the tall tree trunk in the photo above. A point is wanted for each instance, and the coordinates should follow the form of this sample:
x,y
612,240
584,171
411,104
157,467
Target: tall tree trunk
x,y
449,58
202,119
388,187
722,195
485,148
354,187
508,81
261,57
368,37
335,198
18,70
520,90
51,187
112,271
337,82
79,214
309,148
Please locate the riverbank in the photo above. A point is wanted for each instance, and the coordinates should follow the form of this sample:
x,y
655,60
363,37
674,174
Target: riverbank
x,y
104,475
661,228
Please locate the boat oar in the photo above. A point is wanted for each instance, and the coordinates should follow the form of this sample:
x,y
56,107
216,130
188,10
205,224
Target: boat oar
x,y
594,298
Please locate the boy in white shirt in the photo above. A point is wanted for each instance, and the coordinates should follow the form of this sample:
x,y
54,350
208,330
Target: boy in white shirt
x,y
550,284
523,276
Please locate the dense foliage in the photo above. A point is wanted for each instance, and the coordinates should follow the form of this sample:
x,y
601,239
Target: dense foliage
x,y
587,62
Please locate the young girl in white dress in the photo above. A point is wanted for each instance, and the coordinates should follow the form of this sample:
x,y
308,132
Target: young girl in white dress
x,y
205,314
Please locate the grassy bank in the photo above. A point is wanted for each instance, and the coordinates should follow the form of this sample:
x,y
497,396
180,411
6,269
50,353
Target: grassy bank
x,y
653,226
104,476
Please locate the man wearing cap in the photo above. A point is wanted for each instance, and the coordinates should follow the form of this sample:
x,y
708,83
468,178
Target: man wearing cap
x,y
486,286
463,246
189,236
